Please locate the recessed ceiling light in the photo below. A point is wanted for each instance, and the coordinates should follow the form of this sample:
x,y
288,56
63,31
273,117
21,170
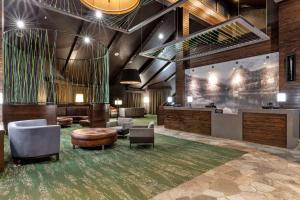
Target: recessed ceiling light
x,y
117,54
87,40
98,14
161,36
20,24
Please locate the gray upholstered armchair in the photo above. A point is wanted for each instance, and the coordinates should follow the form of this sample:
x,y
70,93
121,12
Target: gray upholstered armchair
x,y
122,125
33,138
142,134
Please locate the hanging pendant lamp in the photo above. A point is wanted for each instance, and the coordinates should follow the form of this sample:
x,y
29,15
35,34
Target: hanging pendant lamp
x,y
130,77
116,7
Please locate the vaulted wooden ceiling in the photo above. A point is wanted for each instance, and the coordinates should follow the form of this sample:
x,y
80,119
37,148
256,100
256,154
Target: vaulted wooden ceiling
x,y
128,46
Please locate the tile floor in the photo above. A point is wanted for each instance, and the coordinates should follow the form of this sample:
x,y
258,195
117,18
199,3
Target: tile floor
x,y
264,173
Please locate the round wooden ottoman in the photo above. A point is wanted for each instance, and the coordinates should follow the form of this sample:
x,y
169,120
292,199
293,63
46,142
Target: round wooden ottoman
x,y
84,122
64,121
93,137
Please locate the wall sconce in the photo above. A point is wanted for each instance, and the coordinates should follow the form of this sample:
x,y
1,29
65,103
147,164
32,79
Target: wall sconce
x,y
79,98
146,100
281,97
170,100
118,102
291,68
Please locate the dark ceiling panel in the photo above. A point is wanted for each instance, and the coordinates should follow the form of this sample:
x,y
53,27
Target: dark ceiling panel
x,y
165,27
167,72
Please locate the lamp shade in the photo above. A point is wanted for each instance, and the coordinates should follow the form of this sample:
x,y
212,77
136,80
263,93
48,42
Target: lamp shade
x,y
281,97
118,102
79,98
146,100
130,77
112,6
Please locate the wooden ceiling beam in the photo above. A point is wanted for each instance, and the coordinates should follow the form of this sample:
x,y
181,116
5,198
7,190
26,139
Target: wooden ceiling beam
x,y
203,12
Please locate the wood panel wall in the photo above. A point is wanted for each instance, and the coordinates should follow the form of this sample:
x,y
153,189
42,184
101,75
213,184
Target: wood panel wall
x,y
289,43
183,30
160,116
26,112
269,129
188,120
98,115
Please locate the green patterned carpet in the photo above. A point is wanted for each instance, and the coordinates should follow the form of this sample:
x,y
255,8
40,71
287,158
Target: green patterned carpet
x,y
115,173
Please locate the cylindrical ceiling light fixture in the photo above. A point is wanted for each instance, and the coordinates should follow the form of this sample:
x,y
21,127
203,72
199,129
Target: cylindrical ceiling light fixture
x,y
130,77
115,7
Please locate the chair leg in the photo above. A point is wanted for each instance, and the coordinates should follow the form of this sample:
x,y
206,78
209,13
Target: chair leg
x,y
57,156
153,145
130,145
17,162
102,147
73,146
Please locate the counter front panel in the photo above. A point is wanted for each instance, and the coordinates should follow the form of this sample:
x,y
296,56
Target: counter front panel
x,y
194,121
265,128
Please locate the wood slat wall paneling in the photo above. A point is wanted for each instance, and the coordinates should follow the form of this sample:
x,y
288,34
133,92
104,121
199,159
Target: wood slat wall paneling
x,y
269,129
289,43
188,120
183,30
98,115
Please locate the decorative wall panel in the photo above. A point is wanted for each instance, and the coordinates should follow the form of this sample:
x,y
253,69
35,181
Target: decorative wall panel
x,y
247,83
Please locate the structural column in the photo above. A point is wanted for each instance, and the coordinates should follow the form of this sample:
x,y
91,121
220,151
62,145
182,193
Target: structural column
x,y
182,22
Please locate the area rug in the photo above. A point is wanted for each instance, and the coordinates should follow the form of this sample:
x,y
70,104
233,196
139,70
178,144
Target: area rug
x,y
115,173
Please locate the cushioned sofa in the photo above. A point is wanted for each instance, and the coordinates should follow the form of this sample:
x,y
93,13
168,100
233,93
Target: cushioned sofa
x,y
33,138
76,112
131,112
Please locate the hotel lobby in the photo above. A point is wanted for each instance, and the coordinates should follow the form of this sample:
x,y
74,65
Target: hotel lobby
x,y
150,99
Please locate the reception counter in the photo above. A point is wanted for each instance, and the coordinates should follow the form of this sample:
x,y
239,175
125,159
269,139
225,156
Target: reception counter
x,y
276,127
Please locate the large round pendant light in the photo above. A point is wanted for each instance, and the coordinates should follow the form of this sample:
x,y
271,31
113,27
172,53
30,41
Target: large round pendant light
x,y
112,6
130,77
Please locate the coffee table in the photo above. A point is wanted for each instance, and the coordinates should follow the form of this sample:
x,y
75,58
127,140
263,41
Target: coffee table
x,y
93,137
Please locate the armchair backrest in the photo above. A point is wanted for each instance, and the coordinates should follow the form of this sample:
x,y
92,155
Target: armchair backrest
x,y
122,121
28,123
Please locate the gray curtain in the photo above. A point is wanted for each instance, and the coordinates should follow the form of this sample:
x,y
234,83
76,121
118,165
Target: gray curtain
x,y
157,97
133,100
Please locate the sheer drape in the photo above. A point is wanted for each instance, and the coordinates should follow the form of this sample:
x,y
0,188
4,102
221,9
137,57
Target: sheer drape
x,y
66,93
157,97
133,100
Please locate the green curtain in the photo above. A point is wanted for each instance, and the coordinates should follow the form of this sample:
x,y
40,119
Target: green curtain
x,y
157,97
33,74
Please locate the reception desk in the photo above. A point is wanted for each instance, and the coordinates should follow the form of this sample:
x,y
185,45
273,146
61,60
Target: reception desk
x,y
275,127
